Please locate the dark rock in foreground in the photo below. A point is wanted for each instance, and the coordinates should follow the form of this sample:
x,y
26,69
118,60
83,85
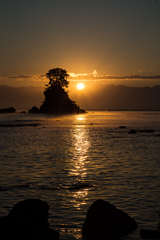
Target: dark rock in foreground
x,y
28,220
104,220
8,110
150,234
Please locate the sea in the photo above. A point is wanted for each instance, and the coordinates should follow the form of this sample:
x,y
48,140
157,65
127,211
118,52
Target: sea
x,y
72,160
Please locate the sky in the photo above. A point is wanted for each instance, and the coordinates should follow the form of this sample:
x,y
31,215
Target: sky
x,y
95,41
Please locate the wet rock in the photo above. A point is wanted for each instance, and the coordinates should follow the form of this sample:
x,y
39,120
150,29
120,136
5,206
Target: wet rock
x,y
28,219
132,131
105,220
150,234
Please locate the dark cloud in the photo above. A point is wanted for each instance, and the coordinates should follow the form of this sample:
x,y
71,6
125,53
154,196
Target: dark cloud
x,y
36,77
21,76
107,77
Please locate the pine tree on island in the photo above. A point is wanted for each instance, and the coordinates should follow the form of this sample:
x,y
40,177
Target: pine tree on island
x,y
56,98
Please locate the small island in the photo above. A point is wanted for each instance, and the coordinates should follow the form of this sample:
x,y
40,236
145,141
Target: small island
x,y
8,110
56,99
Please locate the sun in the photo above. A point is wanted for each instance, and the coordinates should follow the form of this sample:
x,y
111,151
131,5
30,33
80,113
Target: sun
x,y
80,86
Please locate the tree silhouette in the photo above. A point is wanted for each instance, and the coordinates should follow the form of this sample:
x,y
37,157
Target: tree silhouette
x,y
57,76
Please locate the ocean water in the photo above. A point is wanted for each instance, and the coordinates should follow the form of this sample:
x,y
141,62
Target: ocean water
x,y
71,161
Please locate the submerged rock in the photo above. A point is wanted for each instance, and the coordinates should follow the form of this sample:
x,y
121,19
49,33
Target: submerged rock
x,y
146,131
28,219
122,126
104,220
132,131
23,112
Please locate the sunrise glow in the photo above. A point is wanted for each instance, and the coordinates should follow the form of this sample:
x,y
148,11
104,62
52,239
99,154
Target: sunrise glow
x,y
80,86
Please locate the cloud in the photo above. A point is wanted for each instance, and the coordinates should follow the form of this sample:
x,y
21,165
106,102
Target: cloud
x,y
95,77
94,73
82,76
73,75
21,76
92,77
143,71
37,77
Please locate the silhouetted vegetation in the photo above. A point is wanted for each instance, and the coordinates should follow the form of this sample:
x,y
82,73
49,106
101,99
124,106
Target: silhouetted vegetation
x,y
57,77
56,98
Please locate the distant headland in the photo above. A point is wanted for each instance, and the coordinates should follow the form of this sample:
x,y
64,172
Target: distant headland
x,y
96,98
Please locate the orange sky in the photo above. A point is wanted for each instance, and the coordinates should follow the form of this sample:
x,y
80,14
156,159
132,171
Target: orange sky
x,y
104,41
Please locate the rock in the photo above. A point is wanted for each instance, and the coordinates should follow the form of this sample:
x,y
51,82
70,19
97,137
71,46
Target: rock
x,y
150,234
8,110
34,110
132,131
104,220
122,126
82,111
23,112
57,101
28,219
31,209
146,131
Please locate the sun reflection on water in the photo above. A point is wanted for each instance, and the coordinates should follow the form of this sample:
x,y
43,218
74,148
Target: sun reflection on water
x,y
81,144
79,198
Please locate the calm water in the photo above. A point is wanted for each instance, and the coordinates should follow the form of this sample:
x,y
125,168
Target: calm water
x,y
71,161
